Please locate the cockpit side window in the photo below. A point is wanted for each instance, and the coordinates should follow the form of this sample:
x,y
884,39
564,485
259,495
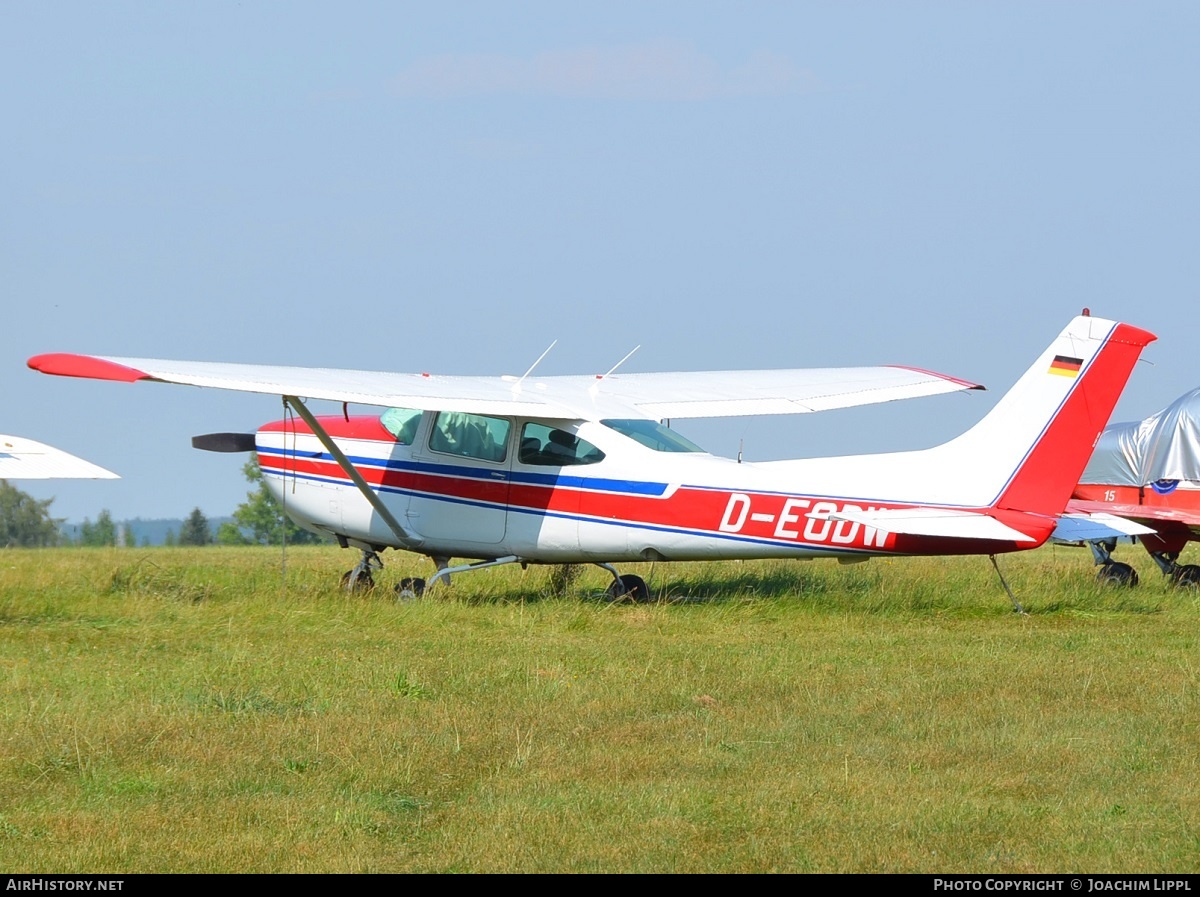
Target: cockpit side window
x,y
546,446
401,423
652,435
470,435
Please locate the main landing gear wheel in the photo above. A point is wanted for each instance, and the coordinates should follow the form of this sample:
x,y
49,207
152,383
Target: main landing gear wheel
x,y
1187,576
409,588
629,587
1117,574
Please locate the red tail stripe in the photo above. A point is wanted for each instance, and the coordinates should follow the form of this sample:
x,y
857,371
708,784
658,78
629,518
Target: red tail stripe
x,y
1054,465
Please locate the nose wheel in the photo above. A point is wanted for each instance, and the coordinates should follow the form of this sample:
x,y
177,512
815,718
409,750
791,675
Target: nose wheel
x,y
359,579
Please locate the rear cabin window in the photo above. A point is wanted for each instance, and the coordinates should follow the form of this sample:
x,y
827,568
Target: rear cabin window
x,y
652,435
470,435
401,423
550,447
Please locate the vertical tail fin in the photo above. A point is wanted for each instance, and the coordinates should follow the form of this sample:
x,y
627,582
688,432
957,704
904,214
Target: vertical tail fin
x,y
1001,484
1050,420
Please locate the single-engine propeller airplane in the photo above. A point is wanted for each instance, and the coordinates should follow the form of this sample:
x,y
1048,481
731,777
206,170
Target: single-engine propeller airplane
x,y
25,459
559,470
1148,471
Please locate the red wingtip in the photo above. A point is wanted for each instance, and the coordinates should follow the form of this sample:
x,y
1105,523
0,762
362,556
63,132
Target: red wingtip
x,y
65,364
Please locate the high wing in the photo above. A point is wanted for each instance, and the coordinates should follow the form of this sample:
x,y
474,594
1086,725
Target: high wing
x,y
25,459
652,396
796,391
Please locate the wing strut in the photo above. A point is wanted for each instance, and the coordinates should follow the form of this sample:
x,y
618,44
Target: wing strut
x,y
350,470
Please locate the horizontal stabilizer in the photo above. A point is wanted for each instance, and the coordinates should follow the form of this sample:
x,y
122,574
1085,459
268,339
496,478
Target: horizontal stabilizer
x,y
25,459
1095,527
944,522
224,442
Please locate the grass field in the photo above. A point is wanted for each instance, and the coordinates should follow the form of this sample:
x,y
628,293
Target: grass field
x,y
204,710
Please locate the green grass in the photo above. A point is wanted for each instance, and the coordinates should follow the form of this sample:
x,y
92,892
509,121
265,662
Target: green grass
x,y
191,710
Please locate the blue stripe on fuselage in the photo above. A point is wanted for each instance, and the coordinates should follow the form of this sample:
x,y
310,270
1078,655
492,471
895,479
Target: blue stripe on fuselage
x,y
491,474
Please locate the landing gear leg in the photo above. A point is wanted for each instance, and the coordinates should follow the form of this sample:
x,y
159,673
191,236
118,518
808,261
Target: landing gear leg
x,y
1166,561
444,570
1182,575
360,579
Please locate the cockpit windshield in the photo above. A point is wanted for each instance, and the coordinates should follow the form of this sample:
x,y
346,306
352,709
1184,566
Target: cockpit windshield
x,y
653,435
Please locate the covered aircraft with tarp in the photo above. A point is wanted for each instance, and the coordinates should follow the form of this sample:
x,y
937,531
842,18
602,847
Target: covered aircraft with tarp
x,y
1148,471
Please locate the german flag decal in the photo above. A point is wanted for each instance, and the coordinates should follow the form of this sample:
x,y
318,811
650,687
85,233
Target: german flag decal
x,y
1066,366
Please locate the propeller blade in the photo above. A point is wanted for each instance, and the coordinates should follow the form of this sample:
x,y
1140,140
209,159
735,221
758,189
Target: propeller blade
x,y
224,442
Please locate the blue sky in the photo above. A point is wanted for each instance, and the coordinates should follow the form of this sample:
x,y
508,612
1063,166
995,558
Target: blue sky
x,y
451,187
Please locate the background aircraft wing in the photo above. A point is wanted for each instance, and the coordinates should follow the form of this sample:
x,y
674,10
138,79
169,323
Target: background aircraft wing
x,y
1147,514
24,459
1083,526
652,396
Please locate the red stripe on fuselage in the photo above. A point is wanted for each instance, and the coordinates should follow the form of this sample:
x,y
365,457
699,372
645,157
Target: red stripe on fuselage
x,y
772,518
492,491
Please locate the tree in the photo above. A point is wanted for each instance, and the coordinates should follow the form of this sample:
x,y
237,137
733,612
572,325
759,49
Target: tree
x,y
102,532
262,516
195,530
24,521
229,534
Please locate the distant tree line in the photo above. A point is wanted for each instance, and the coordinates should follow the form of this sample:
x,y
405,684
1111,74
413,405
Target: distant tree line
x,y
26,522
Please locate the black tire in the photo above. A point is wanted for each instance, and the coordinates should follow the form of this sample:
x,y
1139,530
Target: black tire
x,y
1187,576
629,588
1117,574
364,583
410,587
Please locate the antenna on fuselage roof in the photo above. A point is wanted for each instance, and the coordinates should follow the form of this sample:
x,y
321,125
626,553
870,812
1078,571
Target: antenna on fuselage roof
x,y
618,364
536,363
